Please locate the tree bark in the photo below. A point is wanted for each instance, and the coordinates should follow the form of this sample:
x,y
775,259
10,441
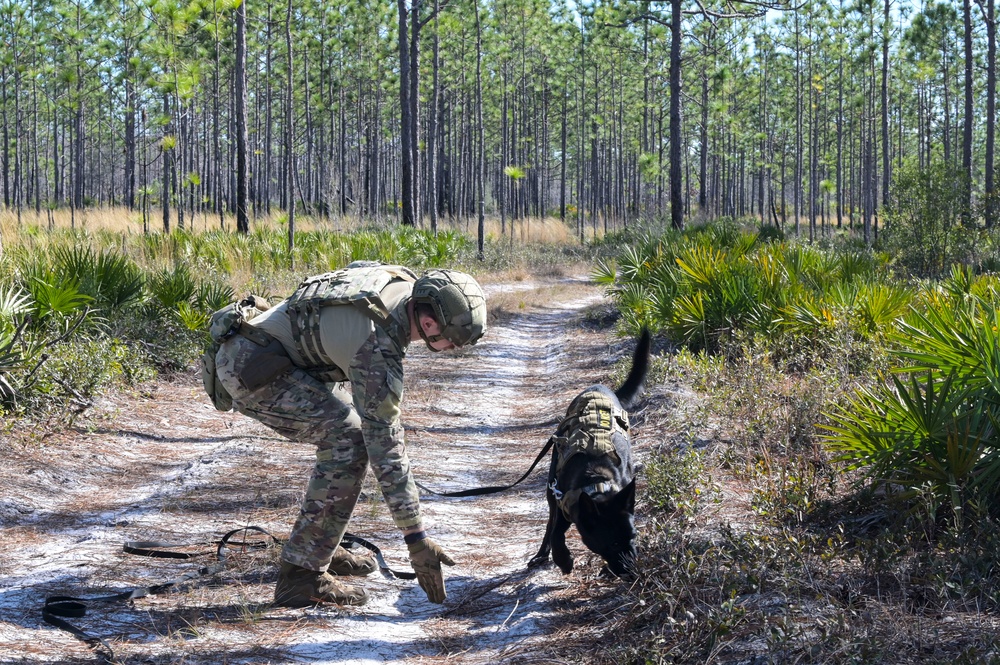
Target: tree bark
x,y
289,135
991,90
480,148
240,74
405,127
676,195
886,152
432,129
967,121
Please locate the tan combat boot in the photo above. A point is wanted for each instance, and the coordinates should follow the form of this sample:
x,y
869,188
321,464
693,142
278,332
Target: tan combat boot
x,y
345,563
301,587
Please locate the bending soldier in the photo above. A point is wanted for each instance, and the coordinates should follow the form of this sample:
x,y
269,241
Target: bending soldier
x,y
325,367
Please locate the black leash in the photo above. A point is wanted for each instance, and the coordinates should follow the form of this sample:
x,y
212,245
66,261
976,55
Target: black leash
x,y
350,539
58,609
493,489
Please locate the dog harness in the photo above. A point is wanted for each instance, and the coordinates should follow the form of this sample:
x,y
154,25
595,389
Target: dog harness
x,y
587,429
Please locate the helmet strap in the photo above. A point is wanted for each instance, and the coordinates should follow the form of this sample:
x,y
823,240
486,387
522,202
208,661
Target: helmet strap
x,y
430,339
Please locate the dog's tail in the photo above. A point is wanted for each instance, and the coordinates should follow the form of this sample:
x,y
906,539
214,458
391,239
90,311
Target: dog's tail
x,y
629,390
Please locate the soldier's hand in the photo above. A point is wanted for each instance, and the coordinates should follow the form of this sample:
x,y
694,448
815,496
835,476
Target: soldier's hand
x,y
426,557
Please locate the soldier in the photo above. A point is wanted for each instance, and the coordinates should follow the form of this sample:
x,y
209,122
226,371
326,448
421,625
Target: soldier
x,y
325,367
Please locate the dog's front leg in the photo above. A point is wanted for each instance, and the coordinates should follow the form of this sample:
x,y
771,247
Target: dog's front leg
x,y
542,556
560,553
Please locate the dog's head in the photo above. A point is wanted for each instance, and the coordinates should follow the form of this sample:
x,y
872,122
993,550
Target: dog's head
x,y
606,523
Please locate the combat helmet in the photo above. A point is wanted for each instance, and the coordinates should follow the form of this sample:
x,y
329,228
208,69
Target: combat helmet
x,y
458,304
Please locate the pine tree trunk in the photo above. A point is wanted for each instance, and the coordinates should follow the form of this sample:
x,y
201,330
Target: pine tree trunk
x,y
290,135
991,90
414,80
481,143
167,170
432,128
967,121
240,76
886,153
562,156
406,151
676,195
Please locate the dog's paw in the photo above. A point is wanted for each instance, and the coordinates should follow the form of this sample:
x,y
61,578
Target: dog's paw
x,y
565,562
627,575
538,560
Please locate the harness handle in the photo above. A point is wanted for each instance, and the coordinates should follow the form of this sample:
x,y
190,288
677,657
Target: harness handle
x,y
383,567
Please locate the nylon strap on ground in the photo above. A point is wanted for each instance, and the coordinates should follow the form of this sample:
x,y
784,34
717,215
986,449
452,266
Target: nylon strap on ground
x,y
59,608
478,491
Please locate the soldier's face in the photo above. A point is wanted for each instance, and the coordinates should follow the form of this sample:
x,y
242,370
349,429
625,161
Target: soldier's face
x,y
431,328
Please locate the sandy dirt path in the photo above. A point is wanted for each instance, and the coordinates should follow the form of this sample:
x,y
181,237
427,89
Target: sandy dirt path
x,y
164,465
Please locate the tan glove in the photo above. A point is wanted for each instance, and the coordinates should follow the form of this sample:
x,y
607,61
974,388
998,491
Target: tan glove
x,y
426,557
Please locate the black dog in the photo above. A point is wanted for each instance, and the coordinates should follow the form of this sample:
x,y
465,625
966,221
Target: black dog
x,y
592,476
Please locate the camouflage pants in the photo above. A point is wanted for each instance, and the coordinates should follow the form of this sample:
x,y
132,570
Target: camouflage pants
x,y
301,408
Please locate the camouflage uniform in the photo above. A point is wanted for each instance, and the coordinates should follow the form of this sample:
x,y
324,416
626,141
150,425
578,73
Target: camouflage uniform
x,y
353,424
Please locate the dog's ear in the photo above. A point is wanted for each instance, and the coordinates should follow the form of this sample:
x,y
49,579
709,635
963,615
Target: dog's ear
x,y
626,498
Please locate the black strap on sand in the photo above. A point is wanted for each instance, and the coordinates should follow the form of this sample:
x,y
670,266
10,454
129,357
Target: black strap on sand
x,y
350,539
493,489
58,609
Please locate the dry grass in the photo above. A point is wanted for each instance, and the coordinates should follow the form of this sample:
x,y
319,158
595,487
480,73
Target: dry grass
x,y
544,231
506,303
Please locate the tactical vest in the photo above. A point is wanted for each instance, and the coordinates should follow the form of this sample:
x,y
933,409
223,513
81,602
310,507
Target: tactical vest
x,y
360,287
587,429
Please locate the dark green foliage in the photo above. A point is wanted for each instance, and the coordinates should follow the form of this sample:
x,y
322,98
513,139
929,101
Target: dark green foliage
x,y
212,296
709,285
169,288
111,280
924,229
933,430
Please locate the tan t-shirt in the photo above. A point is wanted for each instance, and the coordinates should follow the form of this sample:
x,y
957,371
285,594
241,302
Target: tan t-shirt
x,y
342,328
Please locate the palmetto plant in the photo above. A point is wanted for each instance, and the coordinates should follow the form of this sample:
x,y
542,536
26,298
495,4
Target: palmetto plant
x,y
52,298
937,428
918,434
111,280
708,285
12,360
169,288
212,296
193,318
14,305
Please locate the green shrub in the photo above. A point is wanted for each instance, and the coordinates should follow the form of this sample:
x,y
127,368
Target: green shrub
x,y
714,284
923,222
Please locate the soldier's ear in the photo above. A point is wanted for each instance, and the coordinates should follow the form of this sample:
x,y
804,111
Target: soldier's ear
x,y
429,324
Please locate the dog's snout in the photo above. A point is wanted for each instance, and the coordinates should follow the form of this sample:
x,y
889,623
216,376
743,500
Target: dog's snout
x,y
624,564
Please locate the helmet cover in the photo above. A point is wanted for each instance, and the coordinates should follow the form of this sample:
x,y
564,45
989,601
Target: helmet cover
x,y
458,304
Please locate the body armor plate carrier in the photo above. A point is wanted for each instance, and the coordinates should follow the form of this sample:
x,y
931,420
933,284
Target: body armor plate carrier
x,y
361,287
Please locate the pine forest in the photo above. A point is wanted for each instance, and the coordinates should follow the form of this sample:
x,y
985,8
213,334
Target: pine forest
x,y
601,113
